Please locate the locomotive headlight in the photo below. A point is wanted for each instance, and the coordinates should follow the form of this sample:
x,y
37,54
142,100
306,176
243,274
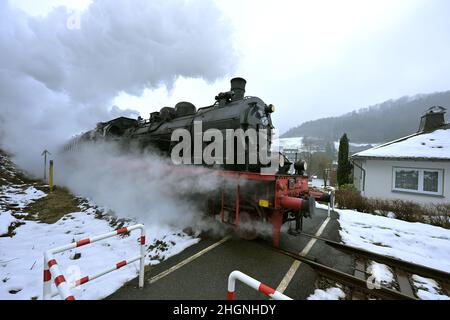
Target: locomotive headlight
x,y
270,108
305,165
265,121
281,160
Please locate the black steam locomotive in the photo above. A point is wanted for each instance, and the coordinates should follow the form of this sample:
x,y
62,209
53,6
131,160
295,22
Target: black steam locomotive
x,y
248,196
231,110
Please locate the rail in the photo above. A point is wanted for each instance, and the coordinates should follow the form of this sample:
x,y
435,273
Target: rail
x,y
254,284
345,278
52,270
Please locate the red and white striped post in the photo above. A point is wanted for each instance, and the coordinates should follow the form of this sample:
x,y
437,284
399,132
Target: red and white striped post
x,y
51,269
252,283
60,281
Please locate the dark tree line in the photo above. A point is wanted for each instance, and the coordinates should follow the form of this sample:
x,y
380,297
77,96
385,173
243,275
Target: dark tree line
x,y
383,122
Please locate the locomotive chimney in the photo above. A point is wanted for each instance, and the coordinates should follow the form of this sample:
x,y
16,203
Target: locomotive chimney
x,y
432,119
238,87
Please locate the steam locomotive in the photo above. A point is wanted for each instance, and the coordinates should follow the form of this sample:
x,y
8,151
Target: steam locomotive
x,y
231,110
248,197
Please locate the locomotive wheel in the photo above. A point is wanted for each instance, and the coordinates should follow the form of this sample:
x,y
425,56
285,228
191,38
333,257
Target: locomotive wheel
x,y
247,227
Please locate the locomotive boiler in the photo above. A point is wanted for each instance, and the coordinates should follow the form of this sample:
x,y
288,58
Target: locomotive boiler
x,y
232,110
249,198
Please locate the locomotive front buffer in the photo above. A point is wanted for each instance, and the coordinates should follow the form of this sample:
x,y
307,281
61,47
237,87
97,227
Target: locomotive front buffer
x,y
256,204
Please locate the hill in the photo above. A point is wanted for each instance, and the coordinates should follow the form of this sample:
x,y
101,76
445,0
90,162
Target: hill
x,y
379,123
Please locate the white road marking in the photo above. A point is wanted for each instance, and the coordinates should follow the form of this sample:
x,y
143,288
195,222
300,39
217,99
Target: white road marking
x,y
187,260
296,264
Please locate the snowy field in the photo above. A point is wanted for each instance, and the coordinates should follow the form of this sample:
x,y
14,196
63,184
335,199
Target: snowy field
x,y
316,183
291,143
21,256
414,242
297,143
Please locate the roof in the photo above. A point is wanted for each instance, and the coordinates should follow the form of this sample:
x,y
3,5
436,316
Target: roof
x,y
428,146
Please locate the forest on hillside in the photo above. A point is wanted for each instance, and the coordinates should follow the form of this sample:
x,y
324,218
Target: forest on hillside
x,y
379,123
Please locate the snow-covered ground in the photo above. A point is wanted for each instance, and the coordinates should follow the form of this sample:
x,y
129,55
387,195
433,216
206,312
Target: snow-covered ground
x,y
328,294
428,289
291,143
414,242
6,219
21,256
316,183
21,197
297,143
21,251
380,273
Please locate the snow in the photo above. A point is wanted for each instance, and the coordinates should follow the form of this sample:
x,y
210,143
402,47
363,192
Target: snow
x,y
381,273
358,145
6,219
328,294
414,242
435,144
21,253
428,289
21,198
291,143
317,183
21,256
297,143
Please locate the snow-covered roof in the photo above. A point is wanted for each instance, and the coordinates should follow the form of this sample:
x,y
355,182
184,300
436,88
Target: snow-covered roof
x,y
433,145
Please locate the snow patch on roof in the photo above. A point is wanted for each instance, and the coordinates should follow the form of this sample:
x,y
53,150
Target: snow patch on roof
x,y
434,145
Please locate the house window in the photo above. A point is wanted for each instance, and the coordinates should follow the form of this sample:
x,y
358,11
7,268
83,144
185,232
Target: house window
x,y
426,181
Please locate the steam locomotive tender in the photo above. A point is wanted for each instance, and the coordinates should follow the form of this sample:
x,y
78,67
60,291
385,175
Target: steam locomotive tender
x,y
247,199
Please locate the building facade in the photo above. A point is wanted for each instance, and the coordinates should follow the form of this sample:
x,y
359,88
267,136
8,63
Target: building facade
x,y
414,168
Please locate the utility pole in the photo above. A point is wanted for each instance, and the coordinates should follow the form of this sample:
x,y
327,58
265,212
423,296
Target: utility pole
x,y
44,153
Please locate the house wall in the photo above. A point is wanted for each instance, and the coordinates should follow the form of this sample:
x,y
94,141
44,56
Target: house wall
x,y
379,180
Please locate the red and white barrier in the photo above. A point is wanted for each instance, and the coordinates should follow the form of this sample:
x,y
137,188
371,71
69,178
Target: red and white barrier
x,y
51,268
252,283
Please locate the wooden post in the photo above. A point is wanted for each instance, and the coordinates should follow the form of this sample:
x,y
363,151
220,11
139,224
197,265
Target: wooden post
x,y
50,176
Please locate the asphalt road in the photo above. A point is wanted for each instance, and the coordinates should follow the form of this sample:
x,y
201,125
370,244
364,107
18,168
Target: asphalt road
x,y
206,276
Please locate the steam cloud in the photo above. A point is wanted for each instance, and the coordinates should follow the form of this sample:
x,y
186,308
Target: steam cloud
x,y
58,81
138,184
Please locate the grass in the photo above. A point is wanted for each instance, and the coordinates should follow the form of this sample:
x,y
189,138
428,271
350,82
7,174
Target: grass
x,y
48,209
54,206
9,174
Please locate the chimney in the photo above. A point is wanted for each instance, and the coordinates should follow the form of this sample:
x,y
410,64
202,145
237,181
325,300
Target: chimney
x,y
432,119
238,87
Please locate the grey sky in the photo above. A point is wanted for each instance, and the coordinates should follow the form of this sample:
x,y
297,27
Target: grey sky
x,y
315,59
60,71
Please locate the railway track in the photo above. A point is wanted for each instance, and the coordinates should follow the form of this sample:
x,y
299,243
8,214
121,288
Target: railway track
x,y
361,288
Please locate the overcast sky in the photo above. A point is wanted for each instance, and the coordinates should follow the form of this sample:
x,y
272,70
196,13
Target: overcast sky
x,y
313,59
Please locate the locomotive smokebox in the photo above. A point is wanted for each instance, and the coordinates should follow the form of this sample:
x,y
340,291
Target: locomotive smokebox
x,y
238,87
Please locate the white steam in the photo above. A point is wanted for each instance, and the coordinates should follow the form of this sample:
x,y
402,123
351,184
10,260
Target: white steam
x,y
137,184
58,81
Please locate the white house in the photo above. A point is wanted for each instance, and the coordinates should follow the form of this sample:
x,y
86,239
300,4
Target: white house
x,y
415,168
